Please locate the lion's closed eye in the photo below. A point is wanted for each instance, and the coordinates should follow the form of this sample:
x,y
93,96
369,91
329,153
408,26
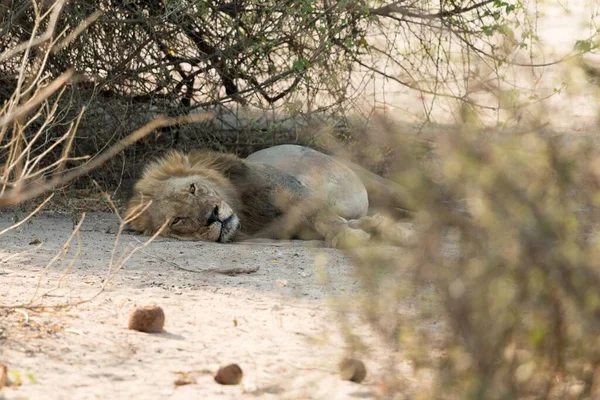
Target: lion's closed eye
x,y
176,221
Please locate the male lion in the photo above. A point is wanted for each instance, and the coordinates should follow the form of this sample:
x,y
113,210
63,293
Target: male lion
x,y
282,192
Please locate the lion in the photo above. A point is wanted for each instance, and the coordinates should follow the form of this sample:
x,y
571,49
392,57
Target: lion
x,y
282,192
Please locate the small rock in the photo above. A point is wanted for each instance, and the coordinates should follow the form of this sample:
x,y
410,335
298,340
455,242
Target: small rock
x,y
149,319
185,379
353,370
229,375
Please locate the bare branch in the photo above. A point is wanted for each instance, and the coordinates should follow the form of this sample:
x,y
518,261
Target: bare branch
x,y
14,196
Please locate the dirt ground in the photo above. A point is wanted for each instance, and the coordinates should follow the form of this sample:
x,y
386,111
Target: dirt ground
x,y
261,305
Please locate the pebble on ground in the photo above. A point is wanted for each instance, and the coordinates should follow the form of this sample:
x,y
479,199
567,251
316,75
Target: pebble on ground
x,y
229,375
353,370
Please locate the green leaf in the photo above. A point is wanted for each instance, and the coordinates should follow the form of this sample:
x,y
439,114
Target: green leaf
x,y
31,377
583,45
487,30
301,64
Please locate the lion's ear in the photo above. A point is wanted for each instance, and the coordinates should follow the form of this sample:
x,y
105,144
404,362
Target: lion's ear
x,y
185,159
176,158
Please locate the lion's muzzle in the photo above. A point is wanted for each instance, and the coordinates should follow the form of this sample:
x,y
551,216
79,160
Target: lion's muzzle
x,y
229,228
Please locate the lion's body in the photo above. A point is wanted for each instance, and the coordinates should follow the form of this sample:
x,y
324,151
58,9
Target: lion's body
x,y
334,181
282,192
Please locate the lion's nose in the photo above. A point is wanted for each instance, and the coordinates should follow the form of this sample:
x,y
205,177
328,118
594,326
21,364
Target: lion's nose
x,y
214,216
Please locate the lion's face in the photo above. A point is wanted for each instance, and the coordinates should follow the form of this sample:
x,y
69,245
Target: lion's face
x,y
193,207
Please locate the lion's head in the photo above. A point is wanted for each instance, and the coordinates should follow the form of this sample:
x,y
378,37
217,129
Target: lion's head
x,y
195,201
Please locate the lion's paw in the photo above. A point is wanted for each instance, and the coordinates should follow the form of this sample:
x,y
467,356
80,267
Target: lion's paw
x,y
372,224
386,229
348,238
401,234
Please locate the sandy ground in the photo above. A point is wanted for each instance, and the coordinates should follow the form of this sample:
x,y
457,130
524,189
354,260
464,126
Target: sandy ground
x,y
277,323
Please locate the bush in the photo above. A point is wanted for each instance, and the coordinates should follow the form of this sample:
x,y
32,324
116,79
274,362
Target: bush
x,y
134,60
513,272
